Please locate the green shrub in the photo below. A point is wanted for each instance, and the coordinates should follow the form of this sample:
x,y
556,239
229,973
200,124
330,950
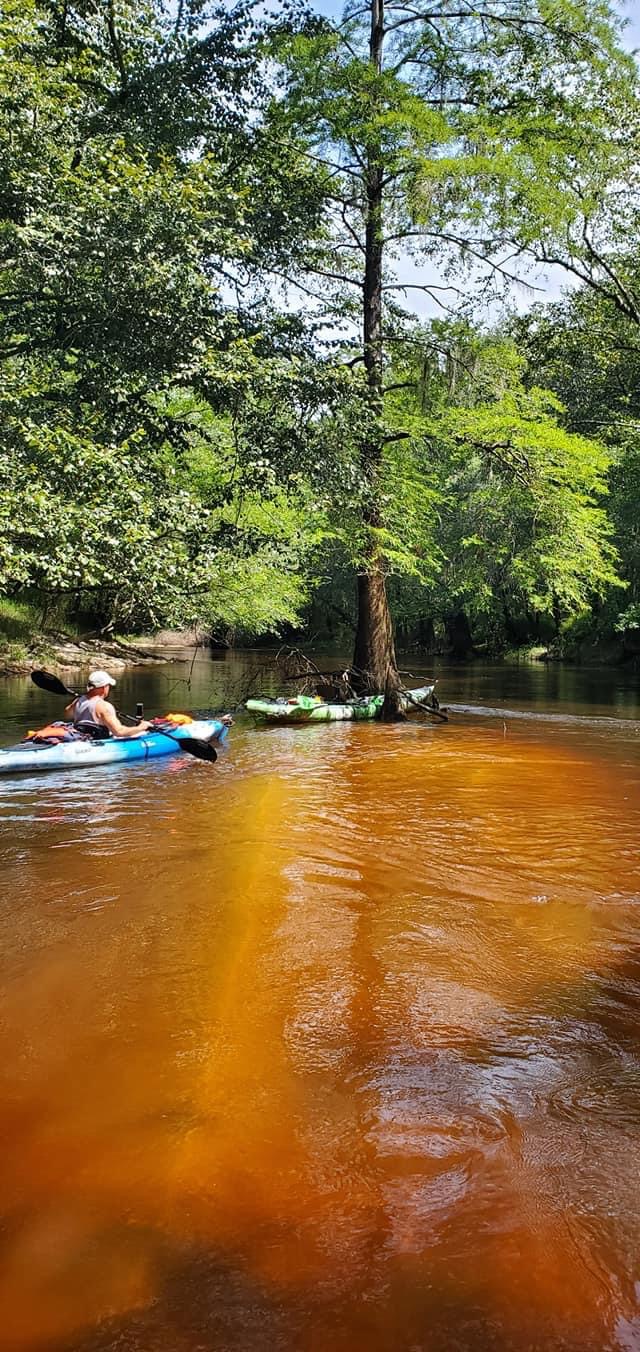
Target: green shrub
x,y
17,620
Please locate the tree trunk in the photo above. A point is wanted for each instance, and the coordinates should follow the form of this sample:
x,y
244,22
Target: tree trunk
x,y
426,636
374,654
459,635
374,651
512,632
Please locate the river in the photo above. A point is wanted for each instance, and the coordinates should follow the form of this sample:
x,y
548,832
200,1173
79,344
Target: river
x,y
334,1044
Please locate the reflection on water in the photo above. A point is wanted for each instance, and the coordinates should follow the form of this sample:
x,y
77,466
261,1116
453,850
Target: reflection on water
x,y
332,1045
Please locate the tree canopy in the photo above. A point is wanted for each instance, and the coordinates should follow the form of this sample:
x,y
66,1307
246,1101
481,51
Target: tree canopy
x,y
215,395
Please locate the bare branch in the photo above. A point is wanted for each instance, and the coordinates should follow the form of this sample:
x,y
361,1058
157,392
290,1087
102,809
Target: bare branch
x,y
348,226
422,286
601,261
518,465
484,16
611,293
336,277
300,286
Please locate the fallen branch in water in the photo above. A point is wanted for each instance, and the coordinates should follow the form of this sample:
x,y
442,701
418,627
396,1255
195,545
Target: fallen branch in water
x,y
334,686
305,675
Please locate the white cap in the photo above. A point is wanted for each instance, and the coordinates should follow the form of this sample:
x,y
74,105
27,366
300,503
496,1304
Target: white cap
x,y
98,678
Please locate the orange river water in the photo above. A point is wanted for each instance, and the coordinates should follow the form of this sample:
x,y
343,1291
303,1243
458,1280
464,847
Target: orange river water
x,y
335,1044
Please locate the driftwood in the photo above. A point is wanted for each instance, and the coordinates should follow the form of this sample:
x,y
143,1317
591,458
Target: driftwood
x,y
308,675
334,686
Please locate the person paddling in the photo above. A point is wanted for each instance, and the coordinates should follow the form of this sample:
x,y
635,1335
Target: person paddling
x,y
93,712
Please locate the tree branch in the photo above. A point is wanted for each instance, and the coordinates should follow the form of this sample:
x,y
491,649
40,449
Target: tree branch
x,y
117,49
610,293
336,277
484,16
602,262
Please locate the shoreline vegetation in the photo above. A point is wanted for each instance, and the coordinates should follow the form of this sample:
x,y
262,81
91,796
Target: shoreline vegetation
x,y
68,652
25,643
220,407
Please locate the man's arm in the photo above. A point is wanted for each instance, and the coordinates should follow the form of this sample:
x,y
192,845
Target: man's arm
x,y
107,715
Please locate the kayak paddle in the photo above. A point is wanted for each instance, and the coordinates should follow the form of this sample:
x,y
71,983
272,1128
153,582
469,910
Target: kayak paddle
x,y
194,746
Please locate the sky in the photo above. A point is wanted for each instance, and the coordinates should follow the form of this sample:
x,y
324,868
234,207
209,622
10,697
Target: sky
x,y
631,12
538,284
628,9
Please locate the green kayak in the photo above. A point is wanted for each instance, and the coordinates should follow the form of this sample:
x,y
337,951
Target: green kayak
x,y
311,709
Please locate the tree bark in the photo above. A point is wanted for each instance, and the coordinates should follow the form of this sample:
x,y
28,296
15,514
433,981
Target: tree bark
x,y
374,654
374,651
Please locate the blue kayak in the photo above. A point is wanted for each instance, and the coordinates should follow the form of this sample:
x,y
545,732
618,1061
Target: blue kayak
x,y
27,757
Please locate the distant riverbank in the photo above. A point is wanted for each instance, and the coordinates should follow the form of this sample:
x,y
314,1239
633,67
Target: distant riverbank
x,y
28,641
63,653
22,648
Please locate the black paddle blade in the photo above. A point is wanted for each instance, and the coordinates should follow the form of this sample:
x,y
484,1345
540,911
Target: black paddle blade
x,y
203,750
45,680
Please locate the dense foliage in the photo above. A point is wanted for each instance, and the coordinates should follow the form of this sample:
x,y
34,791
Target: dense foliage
x,y
131,181
213,407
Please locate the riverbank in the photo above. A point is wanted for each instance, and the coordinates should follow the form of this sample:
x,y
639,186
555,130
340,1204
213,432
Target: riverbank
x,y
22,649
62,653
28,641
